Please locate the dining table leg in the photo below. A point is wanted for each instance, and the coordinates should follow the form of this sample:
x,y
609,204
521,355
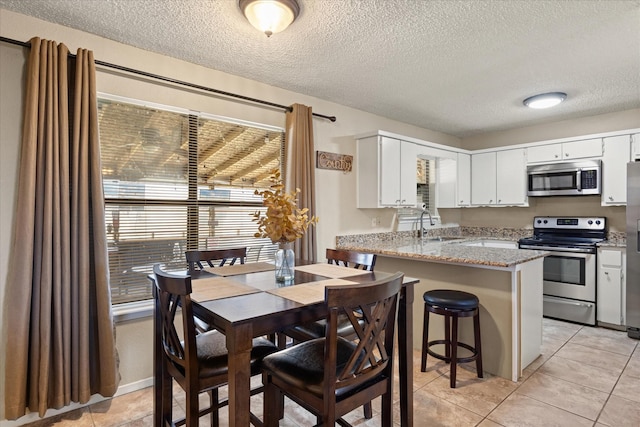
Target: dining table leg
x,y
405,354
239,344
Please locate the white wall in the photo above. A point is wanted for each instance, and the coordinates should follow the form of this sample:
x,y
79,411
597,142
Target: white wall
x,y
335,190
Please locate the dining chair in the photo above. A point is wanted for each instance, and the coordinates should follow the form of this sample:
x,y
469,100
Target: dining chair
x,y
312,330
333,375
198,362
200,259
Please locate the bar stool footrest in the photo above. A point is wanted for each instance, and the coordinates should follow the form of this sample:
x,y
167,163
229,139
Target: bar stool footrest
x,y
467,359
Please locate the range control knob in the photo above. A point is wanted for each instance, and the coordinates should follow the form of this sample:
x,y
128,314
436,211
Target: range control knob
x,y
598,221
590,222
545,221
539,222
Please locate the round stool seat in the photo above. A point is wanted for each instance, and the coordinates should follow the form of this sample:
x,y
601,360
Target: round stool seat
x,y
451,300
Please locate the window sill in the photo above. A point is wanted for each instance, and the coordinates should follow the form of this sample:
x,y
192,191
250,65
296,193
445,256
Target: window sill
x,y
132,311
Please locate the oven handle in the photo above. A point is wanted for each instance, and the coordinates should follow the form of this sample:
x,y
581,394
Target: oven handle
x,y
556,249
579,304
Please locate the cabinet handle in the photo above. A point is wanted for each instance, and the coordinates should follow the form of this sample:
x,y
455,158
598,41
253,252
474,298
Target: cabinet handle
x,y
490,200
611,198
556,156
606,272
566,154
499,200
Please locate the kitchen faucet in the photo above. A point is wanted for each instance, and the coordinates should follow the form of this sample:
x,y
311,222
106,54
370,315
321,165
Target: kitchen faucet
x,y
421,231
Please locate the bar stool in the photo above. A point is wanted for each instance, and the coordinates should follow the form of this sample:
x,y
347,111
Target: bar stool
x,y
452,305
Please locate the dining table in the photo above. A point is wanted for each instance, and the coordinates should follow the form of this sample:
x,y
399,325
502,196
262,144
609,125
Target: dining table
x,y
245,301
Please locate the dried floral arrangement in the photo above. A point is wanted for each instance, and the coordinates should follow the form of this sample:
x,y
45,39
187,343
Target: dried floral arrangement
x,y
284,221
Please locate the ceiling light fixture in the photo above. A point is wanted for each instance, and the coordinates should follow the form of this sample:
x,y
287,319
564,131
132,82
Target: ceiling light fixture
x,y
270,16
545,100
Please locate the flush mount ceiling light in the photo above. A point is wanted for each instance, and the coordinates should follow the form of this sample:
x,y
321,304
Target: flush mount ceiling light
x,y
270,16
545,100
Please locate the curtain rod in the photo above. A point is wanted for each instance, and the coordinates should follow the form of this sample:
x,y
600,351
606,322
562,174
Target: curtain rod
x,y
175,81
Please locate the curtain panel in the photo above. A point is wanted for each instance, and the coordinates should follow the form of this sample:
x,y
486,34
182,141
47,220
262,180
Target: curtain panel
x,y
60,333
299,171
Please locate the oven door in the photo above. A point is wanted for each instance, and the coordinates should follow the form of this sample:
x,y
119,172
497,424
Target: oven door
x,y
570,275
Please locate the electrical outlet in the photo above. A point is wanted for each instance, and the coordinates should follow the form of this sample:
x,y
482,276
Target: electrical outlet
x,y
374,222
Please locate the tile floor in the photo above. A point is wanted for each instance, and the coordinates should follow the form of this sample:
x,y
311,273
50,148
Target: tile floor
x,y
585,377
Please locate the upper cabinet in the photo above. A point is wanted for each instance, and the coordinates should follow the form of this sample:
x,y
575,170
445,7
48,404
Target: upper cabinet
x,y
464,180
616,155
499,178
635,146
386,172
565,151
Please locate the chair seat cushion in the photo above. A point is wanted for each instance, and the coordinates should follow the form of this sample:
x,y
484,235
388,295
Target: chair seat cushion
x,y
302,365
213,358
450,299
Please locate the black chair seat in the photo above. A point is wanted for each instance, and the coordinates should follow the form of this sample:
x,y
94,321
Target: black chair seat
x,y
303,365
213,359
451,300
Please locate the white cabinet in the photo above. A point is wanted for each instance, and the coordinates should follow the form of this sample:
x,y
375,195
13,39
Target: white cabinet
x,y
483,179
499,178
611,286
454,181
464,180
446,177
386,172
617,153
635,146
565,151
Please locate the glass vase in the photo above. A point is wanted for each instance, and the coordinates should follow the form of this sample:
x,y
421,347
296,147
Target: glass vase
x,y
285,262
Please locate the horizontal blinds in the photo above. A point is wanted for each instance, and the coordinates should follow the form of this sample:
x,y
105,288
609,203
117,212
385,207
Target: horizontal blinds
x,y
174,181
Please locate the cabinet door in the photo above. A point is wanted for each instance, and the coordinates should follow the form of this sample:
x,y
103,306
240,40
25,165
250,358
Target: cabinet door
x,y
464,179
582,149
511,177
407,169
446,183
610,295
614,170
389,171
483,179
544,153
635,145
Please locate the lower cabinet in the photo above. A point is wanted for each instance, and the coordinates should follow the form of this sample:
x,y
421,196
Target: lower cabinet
x,y
611,286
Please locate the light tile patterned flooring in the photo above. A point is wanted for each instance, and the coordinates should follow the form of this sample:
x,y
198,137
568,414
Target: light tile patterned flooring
x,y
585,377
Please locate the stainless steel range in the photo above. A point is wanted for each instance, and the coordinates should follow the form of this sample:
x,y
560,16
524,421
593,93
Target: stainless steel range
x,y
569,284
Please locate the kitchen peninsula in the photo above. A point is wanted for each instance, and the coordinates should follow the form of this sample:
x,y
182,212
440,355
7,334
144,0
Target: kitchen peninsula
x,y
507,280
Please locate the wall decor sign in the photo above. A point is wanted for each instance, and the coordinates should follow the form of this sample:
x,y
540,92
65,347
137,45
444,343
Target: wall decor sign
x,y
335,161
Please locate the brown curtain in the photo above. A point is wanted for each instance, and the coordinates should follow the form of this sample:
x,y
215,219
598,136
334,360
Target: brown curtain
x,y
60,335
299,171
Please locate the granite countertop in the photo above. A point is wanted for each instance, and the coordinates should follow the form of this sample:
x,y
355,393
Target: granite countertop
x,y
449,251
615,239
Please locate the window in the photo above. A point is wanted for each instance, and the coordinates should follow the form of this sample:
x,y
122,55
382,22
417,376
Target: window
x,y
176,180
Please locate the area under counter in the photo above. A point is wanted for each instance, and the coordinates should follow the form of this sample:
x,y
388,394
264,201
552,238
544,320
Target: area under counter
x,y
508,283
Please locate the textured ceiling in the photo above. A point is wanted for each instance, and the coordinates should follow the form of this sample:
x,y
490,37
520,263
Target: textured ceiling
x,y
458,67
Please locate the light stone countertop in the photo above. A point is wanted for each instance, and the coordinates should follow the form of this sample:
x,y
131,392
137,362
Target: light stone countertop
x,y
449,251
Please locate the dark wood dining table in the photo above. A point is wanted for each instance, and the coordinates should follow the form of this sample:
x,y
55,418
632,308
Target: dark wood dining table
x,y
263,311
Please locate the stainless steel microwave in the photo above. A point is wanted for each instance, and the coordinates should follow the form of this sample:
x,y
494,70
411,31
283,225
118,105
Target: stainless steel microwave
x,y
565,179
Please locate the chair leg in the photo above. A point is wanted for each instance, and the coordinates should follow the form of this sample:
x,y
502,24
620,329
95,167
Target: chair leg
x,y
454,351
447,335
368,410
272,401
213,401
192,410
425,340
477,344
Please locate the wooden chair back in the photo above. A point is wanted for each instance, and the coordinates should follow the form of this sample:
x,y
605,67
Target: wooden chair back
x,y
359,260
372,309
198,260
172,303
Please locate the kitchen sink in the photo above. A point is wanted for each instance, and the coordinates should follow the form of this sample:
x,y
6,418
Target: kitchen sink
x,y
489,243
441,239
